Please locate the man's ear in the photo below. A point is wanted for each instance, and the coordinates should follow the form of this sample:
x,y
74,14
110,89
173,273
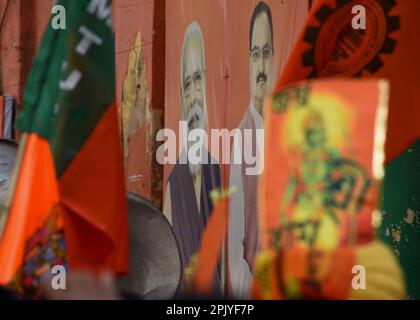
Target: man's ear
x,y
249,69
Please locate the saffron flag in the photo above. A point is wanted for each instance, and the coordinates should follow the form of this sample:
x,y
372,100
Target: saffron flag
x,y
330,144
71,164
374,38
316,209
211,244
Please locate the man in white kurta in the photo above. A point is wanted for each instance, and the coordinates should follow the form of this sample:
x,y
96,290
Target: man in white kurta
x,y
243,226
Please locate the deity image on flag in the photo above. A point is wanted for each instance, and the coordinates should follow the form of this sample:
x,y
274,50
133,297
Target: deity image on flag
x,y
325,140
188,204
323,184
318,213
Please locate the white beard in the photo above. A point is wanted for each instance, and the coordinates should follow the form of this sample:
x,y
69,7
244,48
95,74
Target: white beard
x,y
196,111
195,167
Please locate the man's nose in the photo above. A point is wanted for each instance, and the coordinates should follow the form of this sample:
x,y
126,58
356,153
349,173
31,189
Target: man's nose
x,y
261,64
194,95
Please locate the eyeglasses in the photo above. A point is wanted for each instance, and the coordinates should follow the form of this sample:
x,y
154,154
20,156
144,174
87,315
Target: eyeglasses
x,y
265,52
195,80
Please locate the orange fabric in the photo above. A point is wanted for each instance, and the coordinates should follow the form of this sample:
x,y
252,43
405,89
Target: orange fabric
x,y
261,287
288,272
337,284
211,246
329,53
35,197
93,197
332,272
275,278
295,262
257,291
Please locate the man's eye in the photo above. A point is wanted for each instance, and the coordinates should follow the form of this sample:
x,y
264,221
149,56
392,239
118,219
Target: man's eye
x,y
266,52
187,85
198,77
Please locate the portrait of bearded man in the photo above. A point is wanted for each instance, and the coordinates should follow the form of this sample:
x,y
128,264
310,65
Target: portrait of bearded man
x,y
187,199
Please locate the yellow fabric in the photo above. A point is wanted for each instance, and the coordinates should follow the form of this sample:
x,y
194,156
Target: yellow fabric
x,y
262,286
384,277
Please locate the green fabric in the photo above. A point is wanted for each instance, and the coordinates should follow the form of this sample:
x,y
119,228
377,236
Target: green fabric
x,y
401,214
68,118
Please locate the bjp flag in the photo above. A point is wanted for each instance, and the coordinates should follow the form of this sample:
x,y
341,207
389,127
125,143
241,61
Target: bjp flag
x,y
374,39
70,170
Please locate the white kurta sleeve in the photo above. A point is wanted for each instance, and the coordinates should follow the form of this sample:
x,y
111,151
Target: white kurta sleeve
x,y
239,271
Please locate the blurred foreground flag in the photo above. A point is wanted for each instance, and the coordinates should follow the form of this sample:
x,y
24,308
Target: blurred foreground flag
x,y
331,45
334,43
70,170
331,147
317,211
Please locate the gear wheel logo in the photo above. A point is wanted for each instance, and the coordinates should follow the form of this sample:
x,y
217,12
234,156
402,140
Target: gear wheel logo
x,y
341,51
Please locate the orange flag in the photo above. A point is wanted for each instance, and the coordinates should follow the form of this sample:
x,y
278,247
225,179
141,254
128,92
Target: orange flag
x,y
330,47
211,247
35,199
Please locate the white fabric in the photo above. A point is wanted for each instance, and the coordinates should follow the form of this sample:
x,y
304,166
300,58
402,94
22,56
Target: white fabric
x,y
240,273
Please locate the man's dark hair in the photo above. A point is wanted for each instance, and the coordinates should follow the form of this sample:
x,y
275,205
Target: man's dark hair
x,y
261,8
